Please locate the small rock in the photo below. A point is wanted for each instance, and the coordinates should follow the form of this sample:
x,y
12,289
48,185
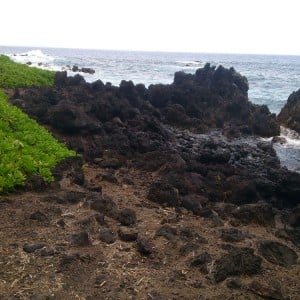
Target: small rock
x,y
192,203
75,68
234,283
47,251
265,291
232,235
110,177
200,239
244,192
128,234
266,147
110,163
235,222
35,183
127,216
94,187
277,253
155,295
144,246
100,218
171,217
279,140
224,210
260,213
294,218
228,247
30,248
61,223
36,297
43,296
80,239
205,212
107,236
86,223
197,284
188,248
88,70
100,279
239,261
294,236
68,258
167,231
39,216
201,259
4,200
281,234
187,233
177,275
164,193
70,197
127,181
102,204
216,222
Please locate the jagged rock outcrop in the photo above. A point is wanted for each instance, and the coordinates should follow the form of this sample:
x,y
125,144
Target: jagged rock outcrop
x,y
157,129
212,98
289,116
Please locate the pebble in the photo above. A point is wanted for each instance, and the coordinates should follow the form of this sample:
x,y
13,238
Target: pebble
x,y
30,248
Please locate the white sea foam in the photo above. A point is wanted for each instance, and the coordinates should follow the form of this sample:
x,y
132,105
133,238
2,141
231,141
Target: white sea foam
x,y
33,56
289,151
192,64
292,137
36,58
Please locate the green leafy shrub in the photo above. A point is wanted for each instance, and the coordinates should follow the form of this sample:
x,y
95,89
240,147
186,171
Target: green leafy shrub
x,y
26,149
13,75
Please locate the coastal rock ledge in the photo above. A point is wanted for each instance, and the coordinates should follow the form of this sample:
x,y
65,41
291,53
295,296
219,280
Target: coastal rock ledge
x,y
289,116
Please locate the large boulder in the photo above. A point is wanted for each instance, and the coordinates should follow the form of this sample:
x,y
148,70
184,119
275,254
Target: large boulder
x,y
289,116
70,118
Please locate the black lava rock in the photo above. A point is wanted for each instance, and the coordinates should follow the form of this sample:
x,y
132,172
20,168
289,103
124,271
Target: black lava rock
x,y
127,216
239,261
277,253
80,239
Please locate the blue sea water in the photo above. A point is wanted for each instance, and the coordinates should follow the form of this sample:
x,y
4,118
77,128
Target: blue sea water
x,y
271,78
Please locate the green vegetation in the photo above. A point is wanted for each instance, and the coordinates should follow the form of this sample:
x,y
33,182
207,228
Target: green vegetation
x,y
26,149
17,75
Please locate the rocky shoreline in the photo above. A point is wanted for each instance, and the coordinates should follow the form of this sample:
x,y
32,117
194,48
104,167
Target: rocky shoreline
x,y
175,197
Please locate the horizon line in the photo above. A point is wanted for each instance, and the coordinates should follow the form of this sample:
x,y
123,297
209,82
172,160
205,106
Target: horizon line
x,y
150,51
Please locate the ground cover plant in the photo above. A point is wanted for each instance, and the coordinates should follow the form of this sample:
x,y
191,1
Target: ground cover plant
x,y
18,75
26,148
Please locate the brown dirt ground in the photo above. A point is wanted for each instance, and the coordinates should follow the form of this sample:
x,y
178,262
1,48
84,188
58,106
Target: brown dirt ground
x,y
118,270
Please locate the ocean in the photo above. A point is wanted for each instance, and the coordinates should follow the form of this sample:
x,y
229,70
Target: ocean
x,y
272,78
